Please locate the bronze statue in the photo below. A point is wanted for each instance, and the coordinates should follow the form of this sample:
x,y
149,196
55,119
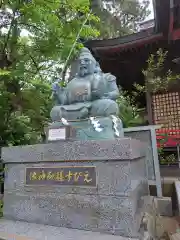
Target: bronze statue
x,y
88,102
90,93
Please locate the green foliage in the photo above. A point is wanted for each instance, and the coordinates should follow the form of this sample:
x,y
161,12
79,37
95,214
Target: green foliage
x,y
129,112
24,110
29,63
156,79
119,17
167,160
4,72
162,141
164,158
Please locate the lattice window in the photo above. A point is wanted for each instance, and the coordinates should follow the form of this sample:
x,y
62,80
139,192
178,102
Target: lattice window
x,y
166,110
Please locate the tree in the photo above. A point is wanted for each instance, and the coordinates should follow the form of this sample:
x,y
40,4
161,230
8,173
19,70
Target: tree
x,y
119,17
29,64
157,79
129,112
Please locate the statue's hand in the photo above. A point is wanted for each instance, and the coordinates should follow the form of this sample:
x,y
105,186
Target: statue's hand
x,y
105,96
95,94
54,86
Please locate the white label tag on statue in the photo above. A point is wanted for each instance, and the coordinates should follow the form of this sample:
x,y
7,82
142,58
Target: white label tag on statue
x,y
57,134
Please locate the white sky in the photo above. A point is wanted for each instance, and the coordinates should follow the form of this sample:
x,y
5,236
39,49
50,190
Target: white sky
x,y
151,16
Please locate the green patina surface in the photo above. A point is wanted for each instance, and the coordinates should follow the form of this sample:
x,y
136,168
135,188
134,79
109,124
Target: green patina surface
x,y
91,93
86,131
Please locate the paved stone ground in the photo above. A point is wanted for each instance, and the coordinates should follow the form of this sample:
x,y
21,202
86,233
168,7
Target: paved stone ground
x,y
15,230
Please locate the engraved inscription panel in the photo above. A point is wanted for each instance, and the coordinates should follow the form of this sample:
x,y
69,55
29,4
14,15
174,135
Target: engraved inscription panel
x,y
68,176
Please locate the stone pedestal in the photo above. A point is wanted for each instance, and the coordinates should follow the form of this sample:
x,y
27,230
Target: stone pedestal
x,y
114,204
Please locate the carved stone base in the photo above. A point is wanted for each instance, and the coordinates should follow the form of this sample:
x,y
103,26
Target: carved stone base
x,y
86,130
114,205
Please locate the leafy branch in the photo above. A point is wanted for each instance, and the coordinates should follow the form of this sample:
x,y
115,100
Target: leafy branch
x,y
129,111
29,64
155,79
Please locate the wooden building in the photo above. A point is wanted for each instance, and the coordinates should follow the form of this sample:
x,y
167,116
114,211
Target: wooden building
x,y
125,57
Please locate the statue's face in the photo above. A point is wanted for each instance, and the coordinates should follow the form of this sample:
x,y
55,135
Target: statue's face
x,y
86,67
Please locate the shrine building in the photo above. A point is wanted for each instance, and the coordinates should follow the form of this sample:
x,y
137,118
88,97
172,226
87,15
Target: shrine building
x,y
126,57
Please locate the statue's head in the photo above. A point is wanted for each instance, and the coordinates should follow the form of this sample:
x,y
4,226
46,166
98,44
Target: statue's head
x,y
87,63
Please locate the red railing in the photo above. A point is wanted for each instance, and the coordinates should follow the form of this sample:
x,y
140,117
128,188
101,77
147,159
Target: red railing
x,y
167,138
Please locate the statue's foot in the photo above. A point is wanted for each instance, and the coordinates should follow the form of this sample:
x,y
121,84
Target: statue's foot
x,y
104,107
59,112
84,113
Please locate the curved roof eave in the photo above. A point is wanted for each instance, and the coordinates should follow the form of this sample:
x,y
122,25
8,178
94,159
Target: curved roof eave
x,y
161,18
120,44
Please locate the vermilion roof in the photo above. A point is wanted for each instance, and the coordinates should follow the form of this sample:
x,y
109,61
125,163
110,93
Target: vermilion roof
x,y
124,43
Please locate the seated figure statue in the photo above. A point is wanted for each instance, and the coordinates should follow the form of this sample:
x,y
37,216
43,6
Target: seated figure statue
x,y
90,94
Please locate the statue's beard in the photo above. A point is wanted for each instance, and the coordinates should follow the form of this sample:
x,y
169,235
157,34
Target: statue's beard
x,y
83,71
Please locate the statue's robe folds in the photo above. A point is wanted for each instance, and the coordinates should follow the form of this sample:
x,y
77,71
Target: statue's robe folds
x,y
84,97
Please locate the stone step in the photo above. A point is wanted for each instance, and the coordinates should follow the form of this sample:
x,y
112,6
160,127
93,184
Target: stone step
x,y
17,230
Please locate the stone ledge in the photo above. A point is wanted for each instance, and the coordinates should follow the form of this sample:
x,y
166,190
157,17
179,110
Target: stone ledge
x,y
91,150
29,231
